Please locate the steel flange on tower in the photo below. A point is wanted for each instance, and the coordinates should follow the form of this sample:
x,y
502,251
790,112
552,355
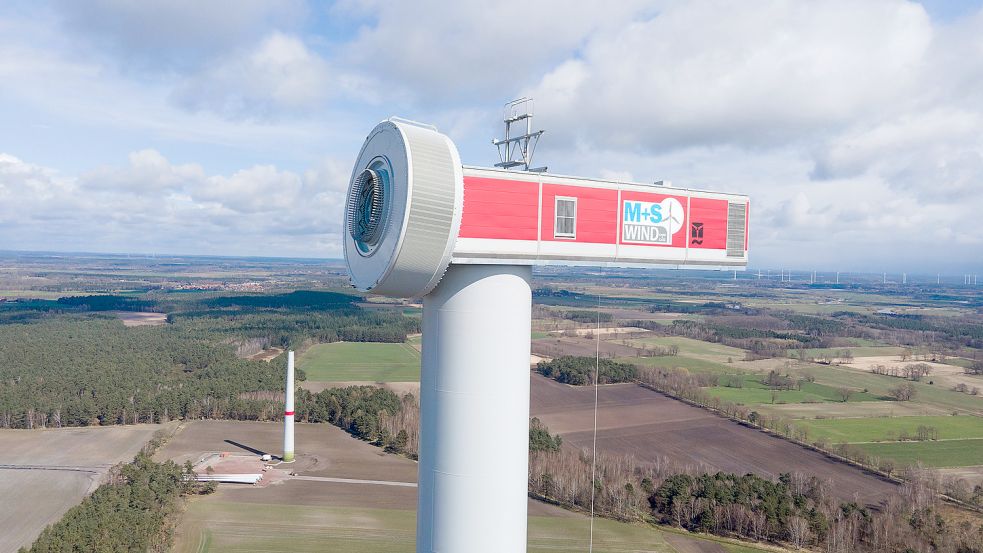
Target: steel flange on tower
x,y
419,225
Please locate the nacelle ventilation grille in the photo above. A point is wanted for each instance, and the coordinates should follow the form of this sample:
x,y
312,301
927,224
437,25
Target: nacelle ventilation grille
x,y
736,229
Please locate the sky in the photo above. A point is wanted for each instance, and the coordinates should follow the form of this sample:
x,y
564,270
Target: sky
x,y
229,127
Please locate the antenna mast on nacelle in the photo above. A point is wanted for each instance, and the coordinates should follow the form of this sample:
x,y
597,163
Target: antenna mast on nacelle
x,y
517,151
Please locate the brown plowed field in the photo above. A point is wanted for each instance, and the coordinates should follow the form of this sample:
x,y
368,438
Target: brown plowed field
x,y
322,449
643,423
556,346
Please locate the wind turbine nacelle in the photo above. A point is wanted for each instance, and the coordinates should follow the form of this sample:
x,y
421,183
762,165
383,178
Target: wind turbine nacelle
x,y
413,209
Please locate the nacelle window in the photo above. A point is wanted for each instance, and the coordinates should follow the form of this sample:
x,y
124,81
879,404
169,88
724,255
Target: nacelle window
x,y
566,218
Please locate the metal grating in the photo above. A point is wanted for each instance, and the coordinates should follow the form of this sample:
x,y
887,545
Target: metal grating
x,y
736,229
365,207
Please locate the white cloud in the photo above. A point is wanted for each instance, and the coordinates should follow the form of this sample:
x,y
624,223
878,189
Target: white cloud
x,y
719,72
439,52
150,204
176,34
279,75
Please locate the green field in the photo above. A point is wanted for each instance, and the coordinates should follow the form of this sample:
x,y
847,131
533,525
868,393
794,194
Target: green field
x,y
863,342
755,392
945,453
879,385
884,429
857,351
681,362
210,526
691,347
959,362
37,294
361,361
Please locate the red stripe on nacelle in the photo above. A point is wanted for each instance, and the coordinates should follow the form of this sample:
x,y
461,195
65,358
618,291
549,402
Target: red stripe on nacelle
x,y
710,217
496,208
288,413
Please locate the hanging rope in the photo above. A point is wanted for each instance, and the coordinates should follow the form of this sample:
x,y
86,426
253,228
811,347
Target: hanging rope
x,y
593,456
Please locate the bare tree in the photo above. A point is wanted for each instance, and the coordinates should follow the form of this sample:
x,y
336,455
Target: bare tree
x,y
844,393
798,531
917,371
904,392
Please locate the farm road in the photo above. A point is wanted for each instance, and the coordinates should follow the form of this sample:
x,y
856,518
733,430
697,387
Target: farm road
x,y
96,469
353,481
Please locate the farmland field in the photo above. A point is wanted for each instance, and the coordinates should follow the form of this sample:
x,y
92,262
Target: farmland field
x,y
312,515
56,468
881,429
944,375
689,346
137,318
755,392
648,425
361,361
853,409
221,526
856,351
682,362
927,394
943,453
331,450
558,345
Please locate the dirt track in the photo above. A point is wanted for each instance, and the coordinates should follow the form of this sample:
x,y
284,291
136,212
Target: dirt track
x,y
636,421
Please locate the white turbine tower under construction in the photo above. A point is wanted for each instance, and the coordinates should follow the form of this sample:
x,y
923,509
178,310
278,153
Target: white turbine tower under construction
x,y
418,224
288,412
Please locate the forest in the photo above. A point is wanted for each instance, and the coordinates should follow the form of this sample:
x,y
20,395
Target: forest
x,y
74,365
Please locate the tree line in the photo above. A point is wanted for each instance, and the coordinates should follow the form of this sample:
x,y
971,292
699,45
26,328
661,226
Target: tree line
x,y
794,510
376,415
579,371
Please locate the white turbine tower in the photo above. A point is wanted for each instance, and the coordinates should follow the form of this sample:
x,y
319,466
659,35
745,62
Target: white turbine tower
x,y
288,411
